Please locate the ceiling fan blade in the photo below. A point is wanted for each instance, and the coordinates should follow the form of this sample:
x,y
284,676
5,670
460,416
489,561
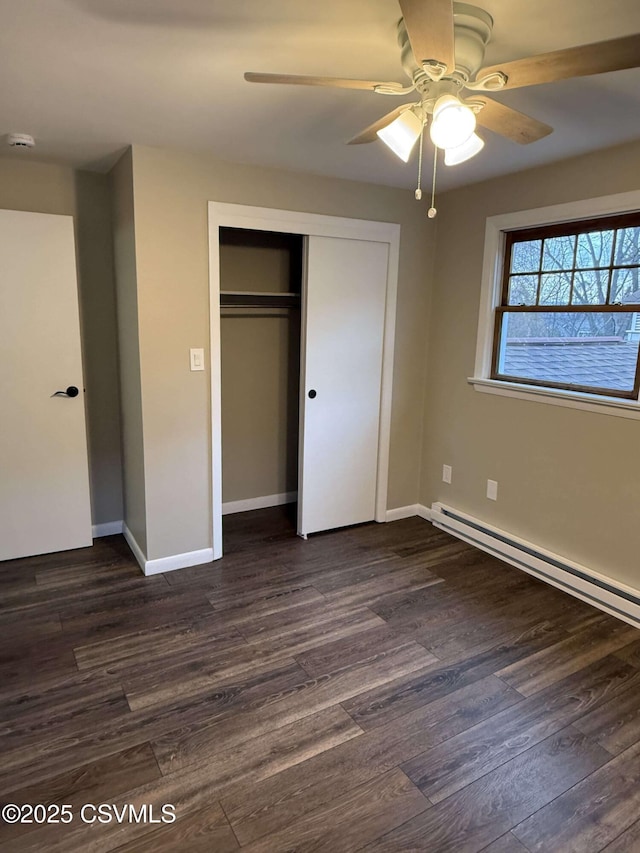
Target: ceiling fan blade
x,y
429,26
598,58
510,123
369,134
334,82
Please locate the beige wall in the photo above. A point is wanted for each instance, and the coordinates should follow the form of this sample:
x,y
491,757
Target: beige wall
x,y
171,193
257,268
100,342
44,188
260,378
569,480
124,249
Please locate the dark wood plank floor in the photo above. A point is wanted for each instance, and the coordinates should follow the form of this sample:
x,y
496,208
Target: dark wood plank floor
x,y
384,688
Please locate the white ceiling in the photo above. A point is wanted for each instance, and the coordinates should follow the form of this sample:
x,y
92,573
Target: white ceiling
x,y
88,77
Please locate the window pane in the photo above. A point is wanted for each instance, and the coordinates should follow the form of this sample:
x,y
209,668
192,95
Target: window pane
x,y
590,287
599,350
594,249
525,257
558,253
555,289
628,246
625,285
523,289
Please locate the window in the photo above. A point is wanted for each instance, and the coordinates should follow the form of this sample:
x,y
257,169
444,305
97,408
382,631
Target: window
x,y
568,315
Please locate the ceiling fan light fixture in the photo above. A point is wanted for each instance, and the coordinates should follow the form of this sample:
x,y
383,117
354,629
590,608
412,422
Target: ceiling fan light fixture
x,y
453,122
461,153
402,134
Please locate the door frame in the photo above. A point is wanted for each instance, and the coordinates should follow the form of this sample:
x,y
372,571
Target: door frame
x,y
306,224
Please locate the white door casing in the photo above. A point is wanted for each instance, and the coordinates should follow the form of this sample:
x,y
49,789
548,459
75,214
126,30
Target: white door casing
x,y
342,343
44,477
310,225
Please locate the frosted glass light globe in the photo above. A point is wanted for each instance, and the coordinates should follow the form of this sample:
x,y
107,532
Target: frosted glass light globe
x,y
453,122
402,134
468,149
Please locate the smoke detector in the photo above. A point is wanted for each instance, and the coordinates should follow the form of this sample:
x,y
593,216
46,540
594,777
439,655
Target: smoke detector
x,y
20,140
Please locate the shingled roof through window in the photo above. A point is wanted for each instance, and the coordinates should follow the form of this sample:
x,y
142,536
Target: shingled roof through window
x,y
598,362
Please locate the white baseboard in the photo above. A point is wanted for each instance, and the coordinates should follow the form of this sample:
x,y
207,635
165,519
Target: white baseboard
x,y
136,549
178,561
259,503
107,528
402,512
166,564
408,512
425,512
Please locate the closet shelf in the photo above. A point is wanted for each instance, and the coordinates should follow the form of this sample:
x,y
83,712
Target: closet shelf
x,y
260,299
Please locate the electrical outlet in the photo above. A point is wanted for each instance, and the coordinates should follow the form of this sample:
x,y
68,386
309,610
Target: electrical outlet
x,y
446,473
492,490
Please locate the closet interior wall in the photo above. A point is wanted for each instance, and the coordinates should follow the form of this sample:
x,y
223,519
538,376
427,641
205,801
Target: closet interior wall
x,y
260,366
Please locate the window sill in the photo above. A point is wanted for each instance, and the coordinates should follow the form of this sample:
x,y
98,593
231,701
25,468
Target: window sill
x,y
570,399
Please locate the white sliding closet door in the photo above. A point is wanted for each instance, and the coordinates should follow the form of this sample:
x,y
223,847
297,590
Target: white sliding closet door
x,y
342,348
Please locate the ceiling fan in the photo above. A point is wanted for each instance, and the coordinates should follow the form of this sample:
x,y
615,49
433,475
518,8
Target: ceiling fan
x,y
442,50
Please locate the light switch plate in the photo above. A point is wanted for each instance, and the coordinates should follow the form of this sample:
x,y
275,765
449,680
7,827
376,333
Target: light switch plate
x,y
492,490
197,359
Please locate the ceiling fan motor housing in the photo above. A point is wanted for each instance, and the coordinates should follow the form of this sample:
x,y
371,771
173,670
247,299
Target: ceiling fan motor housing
x,y
472,31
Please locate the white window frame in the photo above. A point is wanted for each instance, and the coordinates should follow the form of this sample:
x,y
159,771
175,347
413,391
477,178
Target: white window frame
x,y
491,291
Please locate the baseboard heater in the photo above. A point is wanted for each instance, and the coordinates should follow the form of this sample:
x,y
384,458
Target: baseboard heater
x,y
590,586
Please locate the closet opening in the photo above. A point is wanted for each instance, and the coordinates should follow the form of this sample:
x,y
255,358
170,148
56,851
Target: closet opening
x,y
260,318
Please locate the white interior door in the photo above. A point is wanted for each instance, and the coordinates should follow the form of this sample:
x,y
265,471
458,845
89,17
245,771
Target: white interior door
x,y
44,479
342,348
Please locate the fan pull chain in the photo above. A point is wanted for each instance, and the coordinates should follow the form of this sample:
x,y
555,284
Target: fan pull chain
x,y
419,187
432,210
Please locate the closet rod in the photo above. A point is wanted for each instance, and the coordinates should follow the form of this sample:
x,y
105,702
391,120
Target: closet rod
x,y
251,311
259,300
